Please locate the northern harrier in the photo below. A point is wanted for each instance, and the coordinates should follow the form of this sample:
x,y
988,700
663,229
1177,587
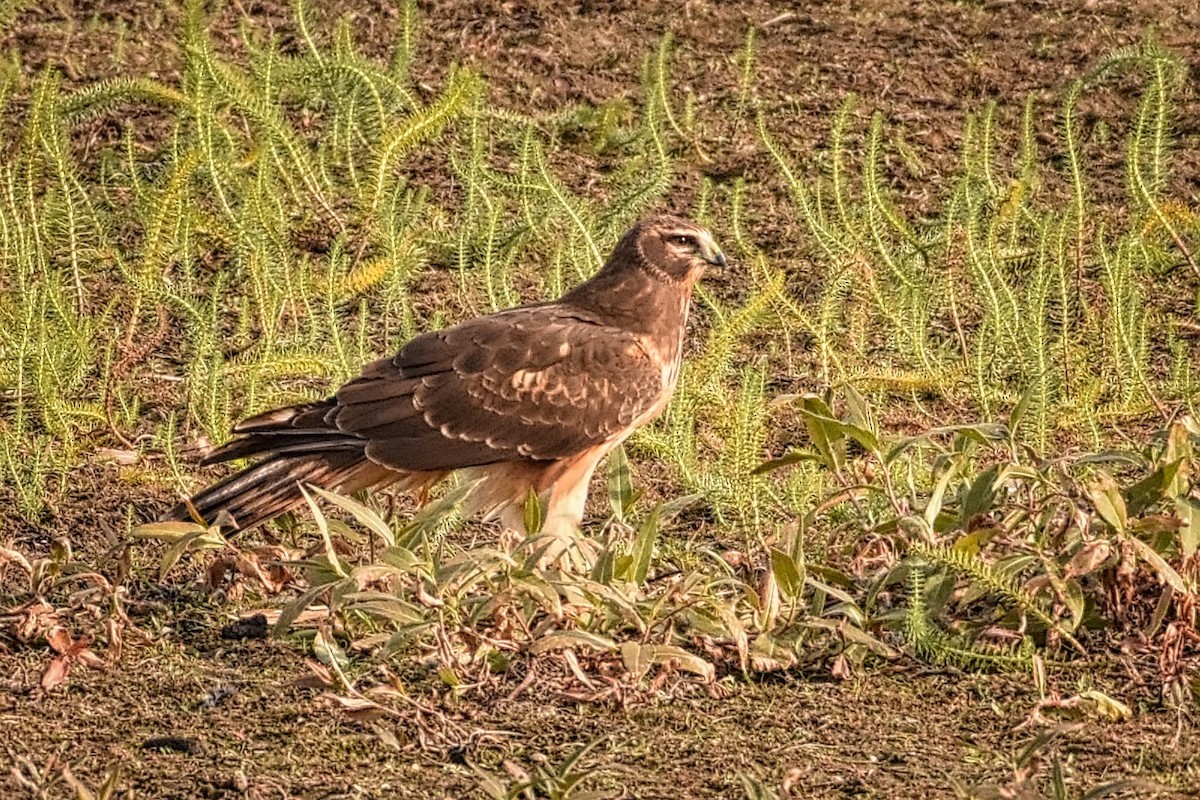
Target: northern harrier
x,y
532,397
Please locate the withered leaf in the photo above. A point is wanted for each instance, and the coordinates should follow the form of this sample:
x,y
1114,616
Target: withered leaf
x,y
1089,558
358,709
56,672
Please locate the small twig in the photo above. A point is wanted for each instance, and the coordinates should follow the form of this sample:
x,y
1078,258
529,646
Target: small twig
x,y
1187,254
131,355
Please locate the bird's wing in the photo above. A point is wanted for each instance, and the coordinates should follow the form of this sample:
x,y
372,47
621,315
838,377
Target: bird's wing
x,y
541,382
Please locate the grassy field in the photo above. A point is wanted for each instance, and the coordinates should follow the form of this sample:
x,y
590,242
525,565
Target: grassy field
x,y
921,519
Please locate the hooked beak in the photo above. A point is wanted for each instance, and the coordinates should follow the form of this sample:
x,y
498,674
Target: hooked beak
x,y
711,253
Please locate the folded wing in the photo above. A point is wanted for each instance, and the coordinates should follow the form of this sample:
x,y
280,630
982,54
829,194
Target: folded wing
x,y
543,383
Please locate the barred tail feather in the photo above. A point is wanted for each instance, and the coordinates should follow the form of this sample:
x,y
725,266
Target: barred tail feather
x,y
265,490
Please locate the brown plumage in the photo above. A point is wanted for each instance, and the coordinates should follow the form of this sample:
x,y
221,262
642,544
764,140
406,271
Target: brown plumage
x,y
530,397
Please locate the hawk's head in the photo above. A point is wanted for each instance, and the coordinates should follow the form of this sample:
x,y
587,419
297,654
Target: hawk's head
x,y
669,247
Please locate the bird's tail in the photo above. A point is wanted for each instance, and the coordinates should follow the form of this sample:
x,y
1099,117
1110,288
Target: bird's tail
x,y
298,449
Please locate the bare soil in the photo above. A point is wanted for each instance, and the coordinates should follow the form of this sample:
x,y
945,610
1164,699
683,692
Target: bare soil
x,y
899,732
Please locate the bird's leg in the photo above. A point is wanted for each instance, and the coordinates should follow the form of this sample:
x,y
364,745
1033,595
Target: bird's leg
x,y
512,526
564,514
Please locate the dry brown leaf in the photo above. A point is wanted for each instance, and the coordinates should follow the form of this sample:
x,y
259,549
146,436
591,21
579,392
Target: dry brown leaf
x,y
277,575
386,690
307,618
91,659
56,672
792,779
428,599
318,677
60,639
1089,558
841,668
113,455
34,619
8,556
116,639
358,709
247,565
573,664
215,572
734,558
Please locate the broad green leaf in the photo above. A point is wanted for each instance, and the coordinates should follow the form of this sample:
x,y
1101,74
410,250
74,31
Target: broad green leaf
x,y
329,652
665,653
854,634
787,574
769,602
706,622
1159,564
403,559
384,606
168,530
737,631
786,460
1072,593
834,430
560,640
432,514
934,507
1188,511
1040,678
491,785
605,568
1020,409
1179,449
295,608
823,430
1108,502
541,590
535,514
1126,787
1009,566
979,497
972,543
1124,458
982,433
1160,613
832,576
1011,472
769,653
1151,489
1108,707
204,539
620,483
335,562
672,508
366,516
643,548
858,409
638,658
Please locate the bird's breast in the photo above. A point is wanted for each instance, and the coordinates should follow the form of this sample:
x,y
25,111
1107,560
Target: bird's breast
x,y
665,347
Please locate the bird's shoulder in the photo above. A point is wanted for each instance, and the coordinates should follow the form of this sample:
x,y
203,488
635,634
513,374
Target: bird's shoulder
x,y
519,339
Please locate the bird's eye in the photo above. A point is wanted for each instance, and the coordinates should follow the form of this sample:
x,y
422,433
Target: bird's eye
x,y
684,240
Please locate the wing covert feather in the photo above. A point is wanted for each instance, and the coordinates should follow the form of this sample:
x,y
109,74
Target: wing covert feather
x,y
542,382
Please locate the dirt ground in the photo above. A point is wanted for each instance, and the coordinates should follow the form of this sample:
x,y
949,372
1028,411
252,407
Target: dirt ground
x,y
247,730
894,733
